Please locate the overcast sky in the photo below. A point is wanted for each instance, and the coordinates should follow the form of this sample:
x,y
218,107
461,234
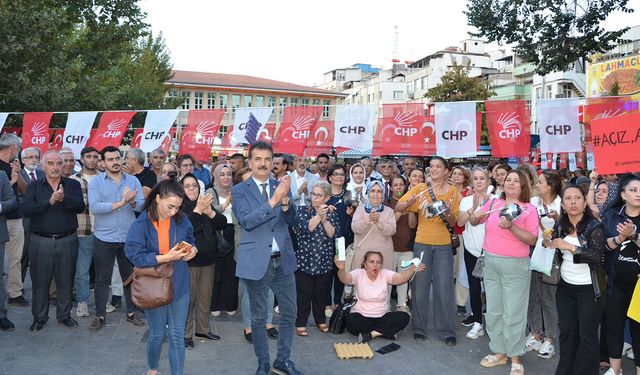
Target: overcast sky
x,y
298,41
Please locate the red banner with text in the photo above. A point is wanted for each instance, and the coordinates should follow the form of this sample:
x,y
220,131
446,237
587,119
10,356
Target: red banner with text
x,y
615,144
111,129
200,132
35,130
509,128
295,130
599,108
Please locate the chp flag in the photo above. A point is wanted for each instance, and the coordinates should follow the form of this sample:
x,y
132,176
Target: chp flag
x,y
35,130
77,131
111,129
558,125
156,128
248,122
508,125
320,139
295,129
401,130
201,130
456,130
354,126
166,142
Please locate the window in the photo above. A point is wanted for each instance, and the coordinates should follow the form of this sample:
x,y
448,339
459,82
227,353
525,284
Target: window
x,y
316,101
224,101
211,100
272,101
398,95
410,87
248,100
549,91
294,102
325,108
305,102
235,102
538,92
198,100
416,84
186,96
283,103
423,81
259,101
566,90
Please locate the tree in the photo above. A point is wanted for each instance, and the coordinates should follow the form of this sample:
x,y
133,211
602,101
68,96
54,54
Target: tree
x,y
457,86
553,35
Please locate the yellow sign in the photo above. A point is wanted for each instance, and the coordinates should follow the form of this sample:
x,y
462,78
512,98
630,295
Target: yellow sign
x,y
602,76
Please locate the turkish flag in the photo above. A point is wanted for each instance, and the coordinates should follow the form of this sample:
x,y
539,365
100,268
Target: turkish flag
x,y
399,129
111,129
564,162
166,142
508,123
599,108
201,130
267,132
14,131
56,143
35,130
580,160
137,136
295,129
229,137
320,139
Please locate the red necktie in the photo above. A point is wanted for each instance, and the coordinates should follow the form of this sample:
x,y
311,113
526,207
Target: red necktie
x,y
32,175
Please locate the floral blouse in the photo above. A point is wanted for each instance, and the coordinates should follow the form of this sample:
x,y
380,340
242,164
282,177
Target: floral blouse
x,y
315,249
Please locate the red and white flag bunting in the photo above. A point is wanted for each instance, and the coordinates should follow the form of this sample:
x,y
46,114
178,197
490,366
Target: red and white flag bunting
x,y
35,130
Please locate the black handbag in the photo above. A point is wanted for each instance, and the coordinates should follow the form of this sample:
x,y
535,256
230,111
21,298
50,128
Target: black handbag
x,y
338,321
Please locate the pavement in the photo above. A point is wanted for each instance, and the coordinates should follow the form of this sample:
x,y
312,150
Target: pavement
x,y
120,348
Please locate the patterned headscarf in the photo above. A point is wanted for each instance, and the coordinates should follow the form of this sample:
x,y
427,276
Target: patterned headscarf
x,y
352,185
367,205
222,190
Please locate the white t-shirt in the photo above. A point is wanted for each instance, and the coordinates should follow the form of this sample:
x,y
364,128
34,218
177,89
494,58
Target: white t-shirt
x,y
546,221
572,273
473,236
227,212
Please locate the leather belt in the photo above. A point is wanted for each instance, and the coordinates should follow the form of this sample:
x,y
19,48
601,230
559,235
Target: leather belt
x,y
55,236
275,255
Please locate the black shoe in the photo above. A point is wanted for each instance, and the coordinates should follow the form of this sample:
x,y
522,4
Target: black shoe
x,y
133,319
208,336
263,368
97,324
37,325
188,343
284,368
69,322
462,311
450,341
6,325
18,301
419,337
116,301
364,337
272,333
248,336
468,321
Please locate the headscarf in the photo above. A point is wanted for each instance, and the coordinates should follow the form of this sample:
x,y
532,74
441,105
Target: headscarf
x,y
352,185
612,196
367,205
189,205
223,191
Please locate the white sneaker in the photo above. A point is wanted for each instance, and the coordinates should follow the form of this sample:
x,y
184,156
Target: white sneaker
x,y
110,307
82,309
403,308
276,309
215,313
627,350
547,350
475,331
532,344
231,313
611,372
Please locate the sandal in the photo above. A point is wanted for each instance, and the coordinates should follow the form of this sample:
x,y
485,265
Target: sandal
x,y
516,369
324,327
493,361
302,332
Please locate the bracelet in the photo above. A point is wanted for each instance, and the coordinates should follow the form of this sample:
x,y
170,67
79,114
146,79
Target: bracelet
x,y
615,242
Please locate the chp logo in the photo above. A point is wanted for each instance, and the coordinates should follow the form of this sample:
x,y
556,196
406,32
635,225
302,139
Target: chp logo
x,y
40,133
301,127
115,128
558,126
403,125
510,126
205,132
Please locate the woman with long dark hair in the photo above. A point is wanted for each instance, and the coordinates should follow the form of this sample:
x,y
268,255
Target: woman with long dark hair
x,y
579,238
152,240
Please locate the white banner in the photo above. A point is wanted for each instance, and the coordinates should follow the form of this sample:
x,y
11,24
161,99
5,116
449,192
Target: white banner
x,y
355,126
591,161
554,162
558,125
3,118
248,122
573,163
78,130
156,127
544,163
456,129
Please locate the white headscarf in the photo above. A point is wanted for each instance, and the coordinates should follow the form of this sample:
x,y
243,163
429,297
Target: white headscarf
x,y
352,185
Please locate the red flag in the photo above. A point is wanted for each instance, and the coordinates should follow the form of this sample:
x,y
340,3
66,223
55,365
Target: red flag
x,y
14,131
399,129
111,129
225,146
614,144
35,130
564,161
320,139
508,126
56,143
580,160
599,108
201,130
137,137
166,142
266,133
295,129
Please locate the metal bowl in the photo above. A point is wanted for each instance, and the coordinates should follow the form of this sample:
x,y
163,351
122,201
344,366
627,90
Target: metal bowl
x,y
436,208
512,211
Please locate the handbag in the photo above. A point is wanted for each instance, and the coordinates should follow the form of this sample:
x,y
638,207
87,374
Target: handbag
x,y
455,239
478,269
151,287
350,251
338,321
553,278
224,247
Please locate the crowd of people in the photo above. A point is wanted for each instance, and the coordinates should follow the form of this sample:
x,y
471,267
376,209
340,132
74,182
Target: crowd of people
x,y
422,242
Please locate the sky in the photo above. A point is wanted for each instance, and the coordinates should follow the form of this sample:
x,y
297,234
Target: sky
x,y
298,41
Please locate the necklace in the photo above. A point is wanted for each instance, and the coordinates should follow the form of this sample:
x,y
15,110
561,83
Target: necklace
x,y
340,194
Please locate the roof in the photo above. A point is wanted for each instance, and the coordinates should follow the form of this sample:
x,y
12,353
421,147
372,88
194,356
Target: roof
x,y
183,77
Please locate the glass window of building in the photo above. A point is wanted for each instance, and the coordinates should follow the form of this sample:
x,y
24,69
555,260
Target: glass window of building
x,y
424,82
283,103
224,101
211,100
272,101
398,95
325,108
305,102
197,104
259,101
186,97
248,101
316,101
294,102
235,102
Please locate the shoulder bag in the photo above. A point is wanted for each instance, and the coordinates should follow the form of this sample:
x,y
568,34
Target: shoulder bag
x,y
455,239
478,270
151,287
224,247
338,321
351,250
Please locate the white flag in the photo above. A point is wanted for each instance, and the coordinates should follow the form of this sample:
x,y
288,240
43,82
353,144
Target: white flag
x,y
554,162
3,118
591,161
355,126
248,122
456,129
544,163
78,130
156,127
573,164
558,125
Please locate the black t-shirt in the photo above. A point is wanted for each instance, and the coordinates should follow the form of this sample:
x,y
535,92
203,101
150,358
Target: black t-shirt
x,y
628,266
17,213
147,178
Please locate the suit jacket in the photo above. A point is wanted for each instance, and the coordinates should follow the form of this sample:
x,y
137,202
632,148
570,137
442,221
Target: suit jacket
x,y
311,180
259,225
27,178
9,203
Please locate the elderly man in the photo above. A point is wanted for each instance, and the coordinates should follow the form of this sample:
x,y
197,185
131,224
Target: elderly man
x,y
302,182
157,158
68,162
387,168
135,166
280,167
408,164
9,149
8,202
31,159
52,204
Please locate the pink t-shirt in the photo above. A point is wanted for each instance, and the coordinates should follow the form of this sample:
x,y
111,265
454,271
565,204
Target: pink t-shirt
x,y
502,242
372,295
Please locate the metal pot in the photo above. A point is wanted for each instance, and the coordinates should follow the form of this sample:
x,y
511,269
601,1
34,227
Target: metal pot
x,y
436,208
512,211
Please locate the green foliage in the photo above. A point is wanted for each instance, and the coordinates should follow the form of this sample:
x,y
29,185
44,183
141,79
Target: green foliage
x,y
554,34
457,86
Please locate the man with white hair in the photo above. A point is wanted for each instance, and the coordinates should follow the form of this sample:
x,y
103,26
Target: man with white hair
x,y
68,161
157,158
31,160
135,166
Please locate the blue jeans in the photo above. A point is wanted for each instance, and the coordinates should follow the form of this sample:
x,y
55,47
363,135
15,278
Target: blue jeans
x,y
173,315
85,255
284,288
246,310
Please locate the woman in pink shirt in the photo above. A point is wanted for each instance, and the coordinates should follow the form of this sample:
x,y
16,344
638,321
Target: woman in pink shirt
x,y
506,271
370,316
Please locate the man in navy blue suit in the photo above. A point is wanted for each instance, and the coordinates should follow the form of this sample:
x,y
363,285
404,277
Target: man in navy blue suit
x,y
265,257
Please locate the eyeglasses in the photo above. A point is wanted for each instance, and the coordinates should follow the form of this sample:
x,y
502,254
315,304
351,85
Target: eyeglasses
x,y
316,195
338,174
186,166
191,186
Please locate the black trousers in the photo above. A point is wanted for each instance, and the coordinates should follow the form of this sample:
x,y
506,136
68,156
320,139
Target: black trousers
x,y
578,317
52,259
24,261
338,288
616,310
105,255
475,286
311,291
388,325
225,287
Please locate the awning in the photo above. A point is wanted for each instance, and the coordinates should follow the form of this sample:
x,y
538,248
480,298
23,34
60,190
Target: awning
x,y
353,153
